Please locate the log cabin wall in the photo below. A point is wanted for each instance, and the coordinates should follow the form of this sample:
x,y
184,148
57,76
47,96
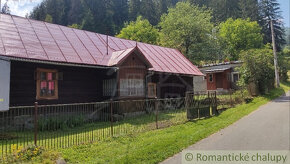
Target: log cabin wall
x,y
78,84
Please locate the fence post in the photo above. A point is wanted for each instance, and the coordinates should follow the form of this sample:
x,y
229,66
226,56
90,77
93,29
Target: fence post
x,y
35,123
187,104
156,112
231,98
111,104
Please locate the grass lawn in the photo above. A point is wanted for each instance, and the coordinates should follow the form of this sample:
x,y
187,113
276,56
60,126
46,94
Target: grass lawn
x,y
157,145
97,131
93,131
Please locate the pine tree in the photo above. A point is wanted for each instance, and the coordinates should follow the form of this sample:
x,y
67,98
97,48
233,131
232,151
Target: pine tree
x,y
88,22
149,11
224,9
120,8
270,10
75,12
249,9
134,9
200,2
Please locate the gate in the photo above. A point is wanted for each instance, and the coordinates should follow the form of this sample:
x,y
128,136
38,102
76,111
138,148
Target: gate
x,y
200,105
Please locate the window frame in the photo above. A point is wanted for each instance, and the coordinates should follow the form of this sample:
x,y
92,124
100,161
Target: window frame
x,y
235,73
38,84
211,81
131,90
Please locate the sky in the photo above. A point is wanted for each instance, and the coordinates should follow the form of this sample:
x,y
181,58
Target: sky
x,y
23,7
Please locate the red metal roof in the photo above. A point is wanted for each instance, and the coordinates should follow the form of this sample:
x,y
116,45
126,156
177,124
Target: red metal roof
x,y
31,39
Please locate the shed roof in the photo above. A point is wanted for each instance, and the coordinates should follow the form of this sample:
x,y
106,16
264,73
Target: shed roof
x,y
26,38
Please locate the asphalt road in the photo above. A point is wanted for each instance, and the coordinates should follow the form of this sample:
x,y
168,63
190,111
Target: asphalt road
x,y
267,128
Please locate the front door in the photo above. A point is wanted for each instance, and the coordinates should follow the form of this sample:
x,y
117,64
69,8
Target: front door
x,y
219,80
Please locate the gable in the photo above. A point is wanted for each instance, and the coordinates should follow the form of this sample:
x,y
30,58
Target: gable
x,y
134,60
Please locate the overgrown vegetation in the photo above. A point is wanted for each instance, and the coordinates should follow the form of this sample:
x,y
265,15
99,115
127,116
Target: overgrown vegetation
x,y
31,153
258,70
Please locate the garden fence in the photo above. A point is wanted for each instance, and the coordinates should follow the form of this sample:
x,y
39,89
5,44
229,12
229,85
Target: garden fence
x,y
60,126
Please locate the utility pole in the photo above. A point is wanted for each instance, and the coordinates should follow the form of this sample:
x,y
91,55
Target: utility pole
x,y
275,56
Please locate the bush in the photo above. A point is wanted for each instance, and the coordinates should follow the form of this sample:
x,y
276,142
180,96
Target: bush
x,y
258,68
32,153
284,63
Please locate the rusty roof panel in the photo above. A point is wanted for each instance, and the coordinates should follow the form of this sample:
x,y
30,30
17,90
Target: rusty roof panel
x,y
26,38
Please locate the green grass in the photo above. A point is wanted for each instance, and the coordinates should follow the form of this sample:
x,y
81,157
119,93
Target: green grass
x,y
155,146
93,131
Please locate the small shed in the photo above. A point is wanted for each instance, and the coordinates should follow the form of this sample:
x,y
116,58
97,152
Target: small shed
x,y
220,77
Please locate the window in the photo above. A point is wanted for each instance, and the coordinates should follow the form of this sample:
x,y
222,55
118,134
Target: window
x,y
235,77
133,85
109,87
151,90
47,84
210,77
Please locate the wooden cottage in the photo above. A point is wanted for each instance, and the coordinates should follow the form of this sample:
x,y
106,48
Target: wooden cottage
x,y
221,77
54,64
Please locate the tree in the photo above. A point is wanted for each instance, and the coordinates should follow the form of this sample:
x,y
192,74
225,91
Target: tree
x,y
258,68
76,26
224,9
249,9
284,63
88,22
121,14
140,30
48,18
287,36
134,9
186,27
5,9
149,11
240,35
270,10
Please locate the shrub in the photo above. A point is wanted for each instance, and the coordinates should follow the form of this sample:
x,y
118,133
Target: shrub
x,y
284,63
32,153
258,68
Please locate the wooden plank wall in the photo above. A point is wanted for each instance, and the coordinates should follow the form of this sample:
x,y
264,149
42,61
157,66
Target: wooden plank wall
x,y
79,85
132,65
